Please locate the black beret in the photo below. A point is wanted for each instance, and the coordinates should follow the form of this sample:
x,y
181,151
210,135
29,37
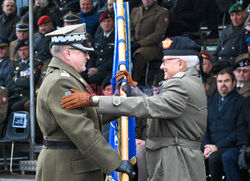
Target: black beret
x,y
179,46
22,43
242,61
4,42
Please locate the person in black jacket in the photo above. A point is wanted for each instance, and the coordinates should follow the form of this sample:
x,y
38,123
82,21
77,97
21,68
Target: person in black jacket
x,y
225,130
100,66
8,20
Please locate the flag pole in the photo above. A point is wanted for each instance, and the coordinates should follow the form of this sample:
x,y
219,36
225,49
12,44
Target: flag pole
x,y
122,58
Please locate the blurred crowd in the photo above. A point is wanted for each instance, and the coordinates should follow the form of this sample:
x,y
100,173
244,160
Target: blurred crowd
x,y
151,22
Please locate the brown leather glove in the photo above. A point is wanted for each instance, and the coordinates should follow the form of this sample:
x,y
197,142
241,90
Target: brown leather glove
x,y
77,99
121,75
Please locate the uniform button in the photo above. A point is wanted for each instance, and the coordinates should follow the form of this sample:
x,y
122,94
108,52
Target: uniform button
x,y
219,58
109,46
101,50
233,48
222,48
100,59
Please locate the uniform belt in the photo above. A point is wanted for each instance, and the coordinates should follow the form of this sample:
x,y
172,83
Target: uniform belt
x,y
161,142
58,144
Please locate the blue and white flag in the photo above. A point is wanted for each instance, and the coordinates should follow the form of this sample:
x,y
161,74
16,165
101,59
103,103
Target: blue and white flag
x,y
113,134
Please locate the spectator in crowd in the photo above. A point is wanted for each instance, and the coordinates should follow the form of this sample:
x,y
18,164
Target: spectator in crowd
x,y
110,5
224,134
209,79
149,23
22,32
8,20
3,107
44,8
242,74
186,16
76,134
41,43
100,66
89,16
19,86
246,34
67,5
70,18
6,66
228,47
248,45
178,113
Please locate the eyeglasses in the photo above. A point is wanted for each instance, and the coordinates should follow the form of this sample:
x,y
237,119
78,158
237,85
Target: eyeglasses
x,y
166,60
86,52
242,70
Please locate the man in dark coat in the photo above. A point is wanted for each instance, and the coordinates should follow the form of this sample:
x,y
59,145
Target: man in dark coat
x,y
8,20
74,148
228,47
6,66
100,66
19,92
43,8
179,113
225,130
41,43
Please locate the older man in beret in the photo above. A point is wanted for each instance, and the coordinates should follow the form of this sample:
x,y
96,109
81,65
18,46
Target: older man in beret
x,y
74,148
242,74
41,43
99,69
228,47
179,113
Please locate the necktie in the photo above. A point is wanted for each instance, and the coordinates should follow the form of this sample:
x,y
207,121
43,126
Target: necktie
x,y
220,105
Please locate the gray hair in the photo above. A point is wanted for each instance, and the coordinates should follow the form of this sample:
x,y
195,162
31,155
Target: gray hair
x,y
191,60
57,50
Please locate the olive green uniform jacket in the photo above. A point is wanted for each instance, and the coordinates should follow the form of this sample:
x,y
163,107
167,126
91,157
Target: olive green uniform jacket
x,y
245,90
82,126
174,134
148,29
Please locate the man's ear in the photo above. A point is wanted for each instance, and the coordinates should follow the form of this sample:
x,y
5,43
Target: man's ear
x,y
182,64
66,54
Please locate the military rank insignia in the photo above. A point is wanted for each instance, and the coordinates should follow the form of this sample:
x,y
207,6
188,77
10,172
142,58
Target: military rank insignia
x,y
167,43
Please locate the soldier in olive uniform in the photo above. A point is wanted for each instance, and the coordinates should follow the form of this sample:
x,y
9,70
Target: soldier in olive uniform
x,y
74,148
228,47
179,113
19,92
22,32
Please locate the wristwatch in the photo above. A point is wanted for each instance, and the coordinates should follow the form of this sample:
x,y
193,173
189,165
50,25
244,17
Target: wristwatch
x,y
95,100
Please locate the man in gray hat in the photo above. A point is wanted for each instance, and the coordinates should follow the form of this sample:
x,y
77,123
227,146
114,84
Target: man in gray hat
x,y
74,148
22,32
70,18
178,113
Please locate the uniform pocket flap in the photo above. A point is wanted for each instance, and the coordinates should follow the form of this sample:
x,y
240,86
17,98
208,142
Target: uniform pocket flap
x,y
83,165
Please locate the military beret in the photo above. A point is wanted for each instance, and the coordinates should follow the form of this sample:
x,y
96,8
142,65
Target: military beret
x,y
22,43
236,7
71,17
22,26
242,61
43,20
179,46
4,42
105,15
205,55
74,35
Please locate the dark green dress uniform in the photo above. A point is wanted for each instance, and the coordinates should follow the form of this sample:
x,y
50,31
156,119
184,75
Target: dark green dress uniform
x,y
18,88
92,155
